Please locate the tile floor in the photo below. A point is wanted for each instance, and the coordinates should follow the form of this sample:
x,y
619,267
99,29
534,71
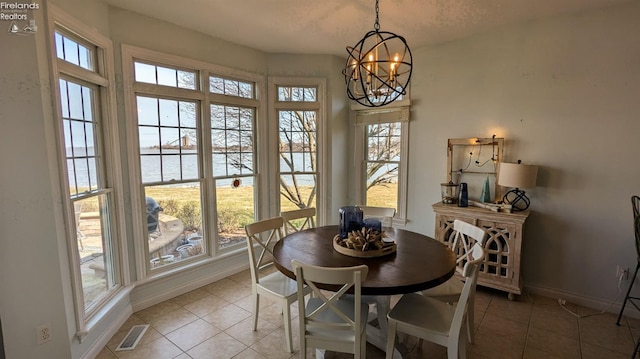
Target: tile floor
x,y
215,321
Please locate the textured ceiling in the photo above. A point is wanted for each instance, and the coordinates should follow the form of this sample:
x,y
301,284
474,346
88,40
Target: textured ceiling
x,y
328,26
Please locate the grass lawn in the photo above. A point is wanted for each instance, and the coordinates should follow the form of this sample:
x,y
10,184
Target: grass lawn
x,y
236,205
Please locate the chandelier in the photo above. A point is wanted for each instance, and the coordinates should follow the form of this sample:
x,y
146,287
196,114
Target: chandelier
x,y
378,68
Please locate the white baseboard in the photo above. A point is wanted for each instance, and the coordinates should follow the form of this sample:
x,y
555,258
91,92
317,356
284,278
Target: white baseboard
x,y
111,330
596,304
163,289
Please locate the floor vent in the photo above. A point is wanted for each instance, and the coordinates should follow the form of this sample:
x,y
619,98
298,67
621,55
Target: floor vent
x,y
133,337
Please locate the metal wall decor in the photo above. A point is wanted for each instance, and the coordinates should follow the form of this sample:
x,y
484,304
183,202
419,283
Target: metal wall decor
x,y
378,69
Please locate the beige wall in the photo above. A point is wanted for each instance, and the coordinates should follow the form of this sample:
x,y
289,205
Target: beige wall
x,y
564,94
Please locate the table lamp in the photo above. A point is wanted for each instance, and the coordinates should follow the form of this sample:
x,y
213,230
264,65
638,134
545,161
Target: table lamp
x,y
519,176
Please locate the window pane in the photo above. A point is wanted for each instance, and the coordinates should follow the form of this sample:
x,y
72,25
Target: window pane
x,y
165,76
382,164
94,243
232,140
231,87
75,101
297,191
79,137
297,141
151,166
74,52
297,94
168,140
383,195
297,157
145,73
186,80
187,114
174,223
168,112
235,208
147,111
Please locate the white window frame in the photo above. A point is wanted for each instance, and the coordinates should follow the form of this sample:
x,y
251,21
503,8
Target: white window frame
x,y
130,54
321,137
104,80
399,111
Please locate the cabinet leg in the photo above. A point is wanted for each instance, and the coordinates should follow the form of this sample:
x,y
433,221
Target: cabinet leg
x,y
511,296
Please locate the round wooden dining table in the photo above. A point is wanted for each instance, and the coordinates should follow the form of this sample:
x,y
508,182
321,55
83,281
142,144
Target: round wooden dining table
x,y
420,262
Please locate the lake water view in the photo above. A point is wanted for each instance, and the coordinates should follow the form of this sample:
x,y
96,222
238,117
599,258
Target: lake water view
x,y
179,166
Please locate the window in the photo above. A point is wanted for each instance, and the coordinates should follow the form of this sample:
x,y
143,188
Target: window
x,y
169,167
381,140
382,163
196,157
233,170
88,152
298,112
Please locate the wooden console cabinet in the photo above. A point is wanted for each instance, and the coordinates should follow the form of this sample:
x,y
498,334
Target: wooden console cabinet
x,y
501,267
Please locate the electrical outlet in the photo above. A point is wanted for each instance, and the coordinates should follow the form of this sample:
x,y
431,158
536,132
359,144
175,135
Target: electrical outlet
x,y
622,273
43,333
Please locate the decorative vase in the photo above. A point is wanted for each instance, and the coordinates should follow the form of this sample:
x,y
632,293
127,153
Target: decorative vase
x,y
350,220
485,196
463,200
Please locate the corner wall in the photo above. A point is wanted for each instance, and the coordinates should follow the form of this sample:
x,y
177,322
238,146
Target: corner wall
x,y
564,94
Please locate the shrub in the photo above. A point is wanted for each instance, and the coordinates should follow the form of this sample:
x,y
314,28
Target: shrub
x,y
170,207
190,216
228,219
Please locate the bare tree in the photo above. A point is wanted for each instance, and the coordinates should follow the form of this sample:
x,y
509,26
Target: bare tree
x,y
383,150
298,136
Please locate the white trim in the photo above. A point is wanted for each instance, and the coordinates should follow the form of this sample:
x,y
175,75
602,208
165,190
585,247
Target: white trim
x,y
114,325
383,115
220,269
104,79
322,158
131,54
406,102
386,115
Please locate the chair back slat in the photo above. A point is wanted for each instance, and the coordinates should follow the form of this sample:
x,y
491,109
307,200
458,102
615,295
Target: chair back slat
x,y
470,273
298,219
261,237
466,235
314,324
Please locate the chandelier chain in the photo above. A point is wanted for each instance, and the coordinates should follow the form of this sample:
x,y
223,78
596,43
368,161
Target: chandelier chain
x,y
377,24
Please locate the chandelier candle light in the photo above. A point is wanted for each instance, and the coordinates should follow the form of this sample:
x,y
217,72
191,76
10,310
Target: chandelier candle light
x,y
378,69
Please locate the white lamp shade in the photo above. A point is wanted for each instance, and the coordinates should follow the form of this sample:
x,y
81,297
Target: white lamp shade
x,y
517,175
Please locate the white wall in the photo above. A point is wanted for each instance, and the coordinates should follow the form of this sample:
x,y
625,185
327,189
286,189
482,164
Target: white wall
x,y
33,270
564,95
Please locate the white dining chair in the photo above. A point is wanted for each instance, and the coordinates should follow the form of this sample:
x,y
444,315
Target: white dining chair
x,y
434,320
328,319
298,219
261,237
384,214
465,235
